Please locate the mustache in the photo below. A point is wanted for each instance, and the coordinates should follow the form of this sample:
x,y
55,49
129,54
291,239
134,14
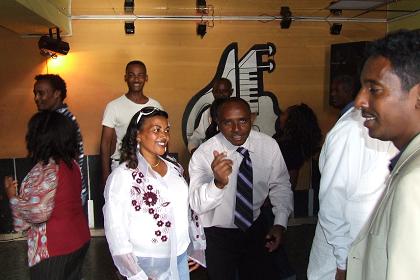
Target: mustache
x,y
367,113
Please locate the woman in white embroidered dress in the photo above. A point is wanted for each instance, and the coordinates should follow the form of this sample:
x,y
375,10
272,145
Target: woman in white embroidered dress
x,y
146,204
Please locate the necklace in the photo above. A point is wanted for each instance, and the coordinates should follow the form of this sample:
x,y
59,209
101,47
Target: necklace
x,y
153,166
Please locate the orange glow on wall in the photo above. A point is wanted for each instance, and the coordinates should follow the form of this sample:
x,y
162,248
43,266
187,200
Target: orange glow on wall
x,y
59,65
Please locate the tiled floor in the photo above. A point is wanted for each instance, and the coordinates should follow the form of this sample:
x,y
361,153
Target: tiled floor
x,y
98,263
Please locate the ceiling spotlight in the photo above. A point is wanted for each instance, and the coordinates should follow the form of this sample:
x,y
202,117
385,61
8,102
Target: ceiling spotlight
x,y
129,6
286,17
201,29
129,27
50,46
201,6
335,29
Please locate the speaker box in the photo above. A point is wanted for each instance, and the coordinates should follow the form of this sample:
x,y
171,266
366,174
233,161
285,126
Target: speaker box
x,y
347,59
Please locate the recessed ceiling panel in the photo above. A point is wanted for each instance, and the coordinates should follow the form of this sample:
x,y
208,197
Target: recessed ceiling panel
x,y
357,4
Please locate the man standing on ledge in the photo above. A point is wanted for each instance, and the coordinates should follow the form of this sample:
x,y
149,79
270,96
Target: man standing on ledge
x,y
231,175
119,112
388,246
50,90
222,89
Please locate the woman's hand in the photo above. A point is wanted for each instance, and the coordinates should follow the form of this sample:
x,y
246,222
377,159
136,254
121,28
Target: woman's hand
x,y
192,265
10,186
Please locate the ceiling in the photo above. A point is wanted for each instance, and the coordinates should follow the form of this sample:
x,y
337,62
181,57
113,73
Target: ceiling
x,y
28,17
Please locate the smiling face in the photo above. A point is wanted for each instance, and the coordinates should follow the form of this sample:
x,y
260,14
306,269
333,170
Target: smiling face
x,y
234,120
45,96
136,77
391,113
153,137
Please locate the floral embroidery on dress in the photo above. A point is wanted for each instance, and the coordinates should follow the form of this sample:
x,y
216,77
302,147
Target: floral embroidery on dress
x,y
196,229
150,198
146,198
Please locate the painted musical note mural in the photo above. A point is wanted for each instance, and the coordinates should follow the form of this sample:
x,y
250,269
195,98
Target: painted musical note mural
x,y
246,75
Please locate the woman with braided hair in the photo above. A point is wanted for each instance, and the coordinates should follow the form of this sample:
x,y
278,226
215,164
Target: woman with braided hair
x,y
300,138
146,213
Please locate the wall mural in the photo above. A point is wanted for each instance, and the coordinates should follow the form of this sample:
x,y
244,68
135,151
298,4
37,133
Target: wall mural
x,y
246,75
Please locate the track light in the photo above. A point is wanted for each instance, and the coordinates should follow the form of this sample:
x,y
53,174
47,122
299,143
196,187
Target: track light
x,y
286,17
129,6
50,46
201,6
335,29
201,29
129,27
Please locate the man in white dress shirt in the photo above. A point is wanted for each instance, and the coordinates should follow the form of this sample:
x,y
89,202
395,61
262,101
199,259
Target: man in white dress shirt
x,y
234,253
353,168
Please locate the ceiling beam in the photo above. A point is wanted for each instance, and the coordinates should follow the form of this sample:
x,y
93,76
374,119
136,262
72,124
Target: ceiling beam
x,y
28,17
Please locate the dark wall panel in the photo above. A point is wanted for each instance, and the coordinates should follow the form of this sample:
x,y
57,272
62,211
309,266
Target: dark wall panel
x,y
346,59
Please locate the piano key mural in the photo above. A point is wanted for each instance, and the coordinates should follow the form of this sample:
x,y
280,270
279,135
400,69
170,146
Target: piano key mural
x,y
246,75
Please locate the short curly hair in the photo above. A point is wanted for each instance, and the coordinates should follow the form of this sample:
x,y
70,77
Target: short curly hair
x,y
56,82
136,62
402,49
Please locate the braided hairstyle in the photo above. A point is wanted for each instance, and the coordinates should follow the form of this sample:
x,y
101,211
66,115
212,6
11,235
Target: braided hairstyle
x,y
129,142
302,128
51,135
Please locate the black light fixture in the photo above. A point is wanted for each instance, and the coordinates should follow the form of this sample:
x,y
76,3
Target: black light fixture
x,y
129,27
335,29
201,6
50,46
129,6
201,29
286,17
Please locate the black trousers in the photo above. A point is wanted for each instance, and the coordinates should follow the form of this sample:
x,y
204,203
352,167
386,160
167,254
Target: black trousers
x,y
232,254
65,267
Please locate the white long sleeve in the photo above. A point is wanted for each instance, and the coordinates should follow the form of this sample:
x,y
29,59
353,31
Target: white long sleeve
x,y
199,134
116,223
353,170
216,206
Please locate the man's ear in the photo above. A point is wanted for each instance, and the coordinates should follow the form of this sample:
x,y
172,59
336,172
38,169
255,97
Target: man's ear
x,y
57,93
416,90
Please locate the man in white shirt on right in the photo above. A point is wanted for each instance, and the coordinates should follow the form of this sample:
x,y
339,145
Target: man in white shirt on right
x,y
353,169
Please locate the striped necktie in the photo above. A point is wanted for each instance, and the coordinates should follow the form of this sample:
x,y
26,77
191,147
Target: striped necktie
x,y
243,209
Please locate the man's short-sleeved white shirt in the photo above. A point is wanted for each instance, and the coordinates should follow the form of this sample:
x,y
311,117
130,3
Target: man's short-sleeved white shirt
x,y
118,114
